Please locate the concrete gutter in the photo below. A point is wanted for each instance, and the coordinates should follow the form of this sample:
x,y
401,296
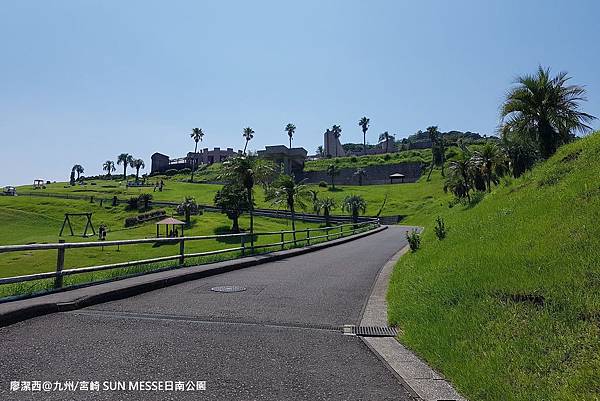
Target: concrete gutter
x,y
418,378
19,310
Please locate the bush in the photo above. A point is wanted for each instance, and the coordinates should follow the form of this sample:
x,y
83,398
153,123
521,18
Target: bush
x,y
353,159
322,184
185,171
440,228
171,171
131,221
387,157
132,203
414,240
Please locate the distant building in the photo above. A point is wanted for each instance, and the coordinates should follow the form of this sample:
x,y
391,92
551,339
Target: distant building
x,y
332,145
162,163
291,160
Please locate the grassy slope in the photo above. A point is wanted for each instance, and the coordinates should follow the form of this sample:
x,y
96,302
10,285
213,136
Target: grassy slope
x,y
410,199
461,302
406,156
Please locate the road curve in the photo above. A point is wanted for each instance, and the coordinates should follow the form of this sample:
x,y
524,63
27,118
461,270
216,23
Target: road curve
x,y
276,340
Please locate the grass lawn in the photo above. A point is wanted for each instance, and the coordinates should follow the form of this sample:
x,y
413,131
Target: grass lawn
x,y
508,305
405,156
38,220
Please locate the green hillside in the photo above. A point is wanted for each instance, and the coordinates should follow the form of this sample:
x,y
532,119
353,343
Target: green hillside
x,y
508,305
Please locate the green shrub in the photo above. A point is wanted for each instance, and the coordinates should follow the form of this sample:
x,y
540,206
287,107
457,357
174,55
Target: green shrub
x,y
440,228
185,171
131,221
353,159
414,240
132,203
171,171
322,184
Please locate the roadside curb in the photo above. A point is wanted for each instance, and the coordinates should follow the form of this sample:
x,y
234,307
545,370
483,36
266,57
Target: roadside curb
x,y
417,377
15,311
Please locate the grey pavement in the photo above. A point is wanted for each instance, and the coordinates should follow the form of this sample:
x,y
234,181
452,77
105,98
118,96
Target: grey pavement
x,y
275,341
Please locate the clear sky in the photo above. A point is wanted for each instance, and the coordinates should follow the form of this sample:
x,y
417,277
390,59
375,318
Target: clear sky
x,y
82,81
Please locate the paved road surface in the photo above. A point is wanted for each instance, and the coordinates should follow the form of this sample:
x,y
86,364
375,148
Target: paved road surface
x,y
278,340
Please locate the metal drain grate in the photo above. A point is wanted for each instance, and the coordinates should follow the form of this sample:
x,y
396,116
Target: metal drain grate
x,y
228,288
370,331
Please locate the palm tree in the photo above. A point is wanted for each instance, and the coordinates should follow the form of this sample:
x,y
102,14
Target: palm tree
x,y
290,128
491,161
137,164
126,159
360,173
197,136
78,168
364,125
314,198
385,137
333,171
337,132
434,138
188,206
320,151
246,171
232,201
460,179
545,109
109,167
248,135
327,205
285,191
354,204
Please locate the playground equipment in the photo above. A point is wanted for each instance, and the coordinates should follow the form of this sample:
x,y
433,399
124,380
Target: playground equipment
x,y
88,223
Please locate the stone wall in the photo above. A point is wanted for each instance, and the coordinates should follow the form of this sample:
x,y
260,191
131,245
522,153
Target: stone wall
x,y
375,174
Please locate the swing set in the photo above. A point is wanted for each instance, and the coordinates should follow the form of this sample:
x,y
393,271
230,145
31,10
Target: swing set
x,y
88,224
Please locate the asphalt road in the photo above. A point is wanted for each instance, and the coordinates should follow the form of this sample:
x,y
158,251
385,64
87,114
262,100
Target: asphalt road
x,y
278,340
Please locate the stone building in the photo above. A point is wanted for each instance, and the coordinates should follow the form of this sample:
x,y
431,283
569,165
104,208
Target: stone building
x,y
332,145
162,162
291,160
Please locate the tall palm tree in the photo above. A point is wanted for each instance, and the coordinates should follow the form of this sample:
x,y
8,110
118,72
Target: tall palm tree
x,y
109,167
460,180
78,168
545,109
290,128
326,205
333,171
337,132
246,171
197,136
355,205
248,135
385,137
364,125
125,159
285,191
138,164
491,161
434,138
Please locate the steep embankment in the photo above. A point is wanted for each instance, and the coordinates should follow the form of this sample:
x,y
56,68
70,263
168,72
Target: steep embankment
x,y
508,305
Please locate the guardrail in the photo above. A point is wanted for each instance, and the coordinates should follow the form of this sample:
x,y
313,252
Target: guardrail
x,y
247,246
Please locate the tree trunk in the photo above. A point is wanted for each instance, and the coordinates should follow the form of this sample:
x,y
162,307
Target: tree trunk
x,y
293,213
326,214
430,170
332,182
364,142
187,216
236,225
290,142
251,214
125,173
245,146
137,174
194,161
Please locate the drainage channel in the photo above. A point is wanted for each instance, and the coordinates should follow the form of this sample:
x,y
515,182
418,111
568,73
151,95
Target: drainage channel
x,y
369,331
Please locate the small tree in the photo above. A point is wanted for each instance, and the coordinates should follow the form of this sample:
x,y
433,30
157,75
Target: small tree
x,y
248,134
333,171
285,191
326,205
145,199
314,198
414,240
232,201
355,205
440,228
188,206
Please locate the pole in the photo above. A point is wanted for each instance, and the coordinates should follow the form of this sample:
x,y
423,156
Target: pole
x,y
60,263
181,251
243,245
282,241
308,236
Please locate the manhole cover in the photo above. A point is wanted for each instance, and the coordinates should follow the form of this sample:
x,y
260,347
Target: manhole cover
x,y
228,288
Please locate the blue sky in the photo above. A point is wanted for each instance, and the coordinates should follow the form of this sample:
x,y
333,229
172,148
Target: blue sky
x,y
82,81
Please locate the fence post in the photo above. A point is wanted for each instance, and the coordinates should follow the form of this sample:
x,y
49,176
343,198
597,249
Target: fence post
x,y
341,231
308,236
60,263
327,231
181,251
243,245
282,241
